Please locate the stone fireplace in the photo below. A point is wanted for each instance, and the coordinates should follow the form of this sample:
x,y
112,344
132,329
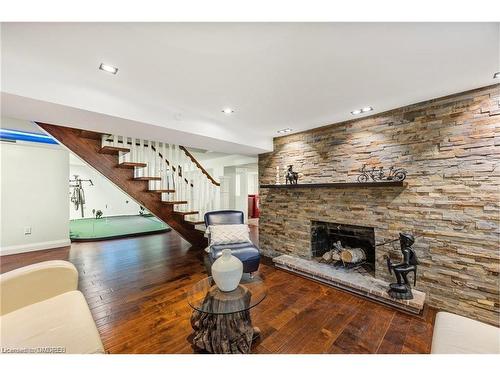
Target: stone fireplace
x,y
449,146
325,234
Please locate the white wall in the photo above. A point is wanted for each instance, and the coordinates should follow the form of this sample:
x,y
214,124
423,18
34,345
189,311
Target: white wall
x,y
239,182
253,182
237,175
216,166
104,195
34,193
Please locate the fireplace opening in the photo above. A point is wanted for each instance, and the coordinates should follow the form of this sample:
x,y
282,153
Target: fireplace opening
x,y
343,245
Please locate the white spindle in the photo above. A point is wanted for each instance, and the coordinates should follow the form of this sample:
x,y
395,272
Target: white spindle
x,y
185,176
211,195
188,181
156,160
188,185
138,157
192,175
168,151
121,155
126,156
148,151
178,178
133,151
207,201
173,169
106,140
191,196
203,197
161,166
207,189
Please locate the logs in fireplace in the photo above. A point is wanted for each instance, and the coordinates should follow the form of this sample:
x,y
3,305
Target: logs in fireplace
x,y
343,245
346,255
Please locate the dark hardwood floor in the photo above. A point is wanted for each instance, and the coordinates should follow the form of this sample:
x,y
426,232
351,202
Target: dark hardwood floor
x,y
136,289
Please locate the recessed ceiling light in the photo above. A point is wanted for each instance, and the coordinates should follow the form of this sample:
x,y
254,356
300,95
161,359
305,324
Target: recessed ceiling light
x,y
283,131
362,110
108,68
496,75
228,111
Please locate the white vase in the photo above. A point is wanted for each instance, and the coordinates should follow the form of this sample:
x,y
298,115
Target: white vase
x,y
227,271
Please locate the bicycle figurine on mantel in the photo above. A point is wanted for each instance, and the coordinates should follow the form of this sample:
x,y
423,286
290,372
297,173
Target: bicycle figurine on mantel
x,y
378,174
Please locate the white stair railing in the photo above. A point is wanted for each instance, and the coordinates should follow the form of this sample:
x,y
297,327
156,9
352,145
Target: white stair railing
x,y
176,170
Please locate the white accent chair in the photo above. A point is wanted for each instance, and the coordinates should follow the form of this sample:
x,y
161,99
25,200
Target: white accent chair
x,y
455,334
41,311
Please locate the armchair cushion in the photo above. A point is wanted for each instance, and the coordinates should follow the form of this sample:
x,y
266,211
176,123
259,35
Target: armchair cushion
x,y
247,252
34,283
228,234
61,323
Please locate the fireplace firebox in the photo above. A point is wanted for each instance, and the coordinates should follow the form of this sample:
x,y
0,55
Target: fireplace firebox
x,y
327,237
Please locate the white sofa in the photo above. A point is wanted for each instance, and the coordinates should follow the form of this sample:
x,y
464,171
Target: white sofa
x,y
41,311
455,334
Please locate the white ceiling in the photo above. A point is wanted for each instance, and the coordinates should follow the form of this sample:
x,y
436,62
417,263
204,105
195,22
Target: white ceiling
x,y
202,155
175,78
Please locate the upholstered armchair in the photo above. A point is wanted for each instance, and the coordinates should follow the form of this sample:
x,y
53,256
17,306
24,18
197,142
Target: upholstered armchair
x,y
40,307
246,251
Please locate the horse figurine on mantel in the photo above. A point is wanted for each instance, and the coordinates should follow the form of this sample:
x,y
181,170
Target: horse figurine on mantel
x,y
291,176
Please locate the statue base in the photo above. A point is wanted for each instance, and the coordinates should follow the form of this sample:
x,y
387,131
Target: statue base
x,y
400,291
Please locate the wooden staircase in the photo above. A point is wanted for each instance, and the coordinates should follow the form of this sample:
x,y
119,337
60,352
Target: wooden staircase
x,y
166,179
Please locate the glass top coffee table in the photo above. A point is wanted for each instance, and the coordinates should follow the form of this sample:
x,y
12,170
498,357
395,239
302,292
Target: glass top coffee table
x,y
221,320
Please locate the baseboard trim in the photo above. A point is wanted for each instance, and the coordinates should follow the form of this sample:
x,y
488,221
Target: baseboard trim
x,y
37,246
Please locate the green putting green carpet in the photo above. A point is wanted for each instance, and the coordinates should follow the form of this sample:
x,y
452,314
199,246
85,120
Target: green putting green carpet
x,y
114,226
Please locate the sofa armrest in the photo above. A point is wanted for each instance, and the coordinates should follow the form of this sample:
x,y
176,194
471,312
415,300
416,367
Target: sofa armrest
x,y
36,282
455,334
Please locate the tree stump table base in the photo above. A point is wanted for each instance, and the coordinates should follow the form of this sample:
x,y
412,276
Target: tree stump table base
x,y
224,333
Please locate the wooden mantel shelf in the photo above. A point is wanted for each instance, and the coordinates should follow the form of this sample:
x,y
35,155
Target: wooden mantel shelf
x,y
339,185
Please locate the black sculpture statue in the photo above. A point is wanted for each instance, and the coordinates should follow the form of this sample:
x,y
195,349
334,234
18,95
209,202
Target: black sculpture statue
x,y
402,290
291,176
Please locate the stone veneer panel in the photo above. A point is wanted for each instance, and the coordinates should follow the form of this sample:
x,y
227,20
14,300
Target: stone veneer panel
x,y
451,149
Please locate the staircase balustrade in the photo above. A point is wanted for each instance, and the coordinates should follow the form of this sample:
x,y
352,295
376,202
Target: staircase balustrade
x,y
178,176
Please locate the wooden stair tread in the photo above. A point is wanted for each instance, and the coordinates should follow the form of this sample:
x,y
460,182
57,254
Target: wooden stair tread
x,y
147,178
186,212
113,150
129,164
90,135
174,202
194,222
162,191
